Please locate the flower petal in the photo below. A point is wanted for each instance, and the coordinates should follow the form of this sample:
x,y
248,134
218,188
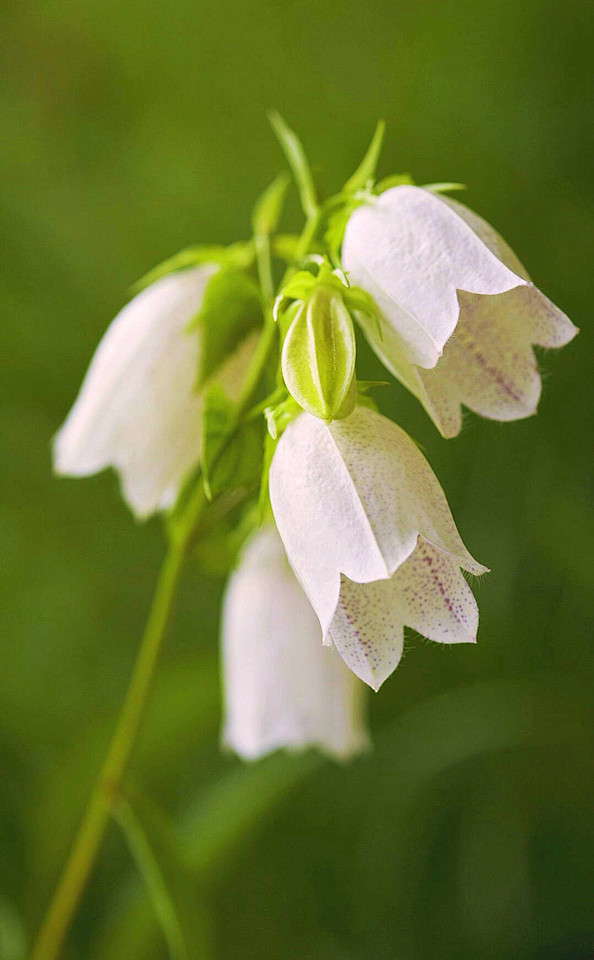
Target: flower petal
x,y
544,324
489,365
427,593
282,687
137,410
412,253
352,498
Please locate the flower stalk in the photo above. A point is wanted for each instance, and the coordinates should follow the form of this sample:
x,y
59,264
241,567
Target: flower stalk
x,y
98,812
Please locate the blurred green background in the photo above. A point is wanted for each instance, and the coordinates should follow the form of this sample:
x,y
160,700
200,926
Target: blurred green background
x,y
130,130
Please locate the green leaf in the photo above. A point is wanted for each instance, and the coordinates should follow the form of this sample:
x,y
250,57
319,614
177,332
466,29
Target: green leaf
x,y
366,170
295,154
268,207
240,255
230,308
318,356
396,180
238,463
217,413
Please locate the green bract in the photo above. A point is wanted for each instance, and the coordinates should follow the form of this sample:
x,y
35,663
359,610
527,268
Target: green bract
x,y
239,255
230,308
318,357
231,456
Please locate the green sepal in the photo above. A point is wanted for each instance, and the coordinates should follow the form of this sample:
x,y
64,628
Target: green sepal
x,y
299,287
358,299
444,187
318,356
365,172
366,400
362,303
302,283
337,220
228,460
364,386
264,507
278,417
396,180
269,205
230,308
239,255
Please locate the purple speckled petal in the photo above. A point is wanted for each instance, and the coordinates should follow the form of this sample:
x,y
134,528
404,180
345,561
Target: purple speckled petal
x,y
488,364
427,593
352,498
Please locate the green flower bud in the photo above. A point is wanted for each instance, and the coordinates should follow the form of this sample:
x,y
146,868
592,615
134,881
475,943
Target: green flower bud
x,y
318,357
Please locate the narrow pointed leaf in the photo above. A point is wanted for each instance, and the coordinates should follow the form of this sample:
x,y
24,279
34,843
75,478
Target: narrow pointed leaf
x,y
216,418
366,170
395,180
154,850
268,207
239,462
444,187
295,154
239,254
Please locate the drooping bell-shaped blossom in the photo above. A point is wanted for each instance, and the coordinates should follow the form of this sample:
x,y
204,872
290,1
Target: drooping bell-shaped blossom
x,y
282,687
138,410
458,313
371,538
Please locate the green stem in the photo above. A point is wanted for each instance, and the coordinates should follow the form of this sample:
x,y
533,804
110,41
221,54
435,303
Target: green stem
x,y
262,241
96,817
309,231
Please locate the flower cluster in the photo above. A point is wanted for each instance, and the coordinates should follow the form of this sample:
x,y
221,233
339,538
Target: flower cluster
x,y
211,378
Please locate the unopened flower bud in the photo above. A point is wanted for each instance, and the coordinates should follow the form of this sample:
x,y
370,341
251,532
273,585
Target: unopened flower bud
x,y
318,358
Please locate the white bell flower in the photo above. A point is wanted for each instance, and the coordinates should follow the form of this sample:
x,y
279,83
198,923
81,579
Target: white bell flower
x,y
459,314
138,410
371,538
282,687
